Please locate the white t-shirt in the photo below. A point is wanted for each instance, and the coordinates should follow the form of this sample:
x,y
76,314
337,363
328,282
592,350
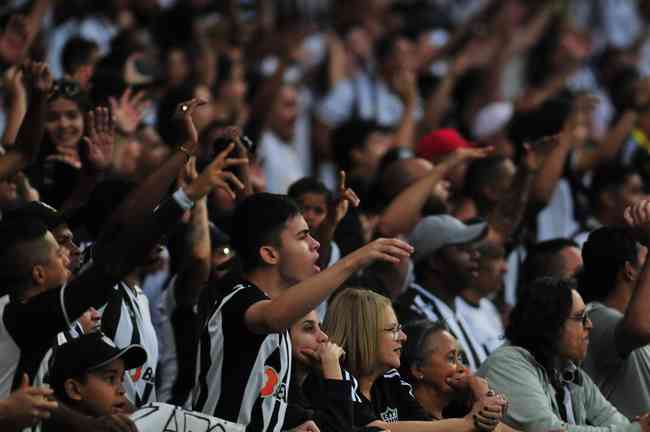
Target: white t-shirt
x,y
365,96
557,219
280,161
484,322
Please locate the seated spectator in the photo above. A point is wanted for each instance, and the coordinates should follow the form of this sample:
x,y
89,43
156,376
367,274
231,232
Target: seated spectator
x,y
537,371
245,341
475,303
317,385
365,326
432,362
446,263
615,283
88,379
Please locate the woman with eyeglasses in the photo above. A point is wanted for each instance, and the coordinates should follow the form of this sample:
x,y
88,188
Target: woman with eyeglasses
x,y
364,324
432,362
538,370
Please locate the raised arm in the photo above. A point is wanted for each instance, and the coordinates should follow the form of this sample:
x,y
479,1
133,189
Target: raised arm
x,y
551,170
120,254
17,95
405,210
195,268
96,156
336,211
633,331
406,86
30,134
278,314
151,191
510,210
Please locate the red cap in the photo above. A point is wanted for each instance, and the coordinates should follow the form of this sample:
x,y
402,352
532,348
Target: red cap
x,y
440,142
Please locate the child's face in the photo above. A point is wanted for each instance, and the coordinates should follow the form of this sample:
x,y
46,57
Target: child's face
x,y
314,209
103,393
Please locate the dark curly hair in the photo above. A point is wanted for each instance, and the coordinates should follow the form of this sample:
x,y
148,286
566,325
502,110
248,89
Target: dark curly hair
x,y
537,319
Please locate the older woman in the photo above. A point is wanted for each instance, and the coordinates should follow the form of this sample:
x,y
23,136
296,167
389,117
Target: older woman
x,y
548,337
364,324
431,363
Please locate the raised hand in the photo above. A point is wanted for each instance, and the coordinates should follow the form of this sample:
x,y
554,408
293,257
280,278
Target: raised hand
x,y
405,84
14,41
214,176
28,405
188,174
466,154
390,250
100,139
184,111
346,198
38,76
129,110
14,84
638,216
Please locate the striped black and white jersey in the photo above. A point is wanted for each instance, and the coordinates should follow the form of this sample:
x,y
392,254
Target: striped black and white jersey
x,y
418,303
126,320
242,377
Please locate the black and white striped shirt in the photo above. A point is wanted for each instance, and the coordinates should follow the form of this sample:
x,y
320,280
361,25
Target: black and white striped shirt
x,y
242,377
418,303
126,320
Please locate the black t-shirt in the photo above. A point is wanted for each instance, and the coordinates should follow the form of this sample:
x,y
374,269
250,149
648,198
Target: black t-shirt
x,y
392,401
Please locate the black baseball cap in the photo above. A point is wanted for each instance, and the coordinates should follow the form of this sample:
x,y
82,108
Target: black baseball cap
x,y
88,353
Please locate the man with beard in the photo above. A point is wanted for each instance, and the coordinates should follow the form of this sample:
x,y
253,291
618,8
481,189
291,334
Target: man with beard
x,y
446,263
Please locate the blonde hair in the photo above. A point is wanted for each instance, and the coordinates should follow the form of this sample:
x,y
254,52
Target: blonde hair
x,y
353,321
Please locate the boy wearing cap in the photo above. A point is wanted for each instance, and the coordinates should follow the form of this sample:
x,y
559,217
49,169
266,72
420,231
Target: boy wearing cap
x,y
88,376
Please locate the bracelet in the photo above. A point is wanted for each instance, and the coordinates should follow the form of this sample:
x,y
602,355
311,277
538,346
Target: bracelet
x,y
187,153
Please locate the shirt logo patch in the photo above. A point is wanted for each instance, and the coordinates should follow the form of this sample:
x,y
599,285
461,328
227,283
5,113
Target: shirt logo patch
x,y
390,415
271,380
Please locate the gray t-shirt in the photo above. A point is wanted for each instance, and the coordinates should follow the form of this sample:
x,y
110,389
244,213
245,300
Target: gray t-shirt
x,y
624,381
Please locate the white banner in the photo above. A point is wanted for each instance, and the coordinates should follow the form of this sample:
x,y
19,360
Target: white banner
x,y
160,417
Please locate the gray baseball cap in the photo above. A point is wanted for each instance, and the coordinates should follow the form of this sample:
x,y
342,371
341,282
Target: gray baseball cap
x,y
435,232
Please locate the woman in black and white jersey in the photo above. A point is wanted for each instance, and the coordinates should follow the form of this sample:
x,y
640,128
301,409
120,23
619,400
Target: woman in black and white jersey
x,y
320,389
364,324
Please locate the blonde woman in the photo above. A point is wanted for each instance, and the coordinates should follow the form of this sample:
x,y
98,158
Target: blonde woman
x,y
364,324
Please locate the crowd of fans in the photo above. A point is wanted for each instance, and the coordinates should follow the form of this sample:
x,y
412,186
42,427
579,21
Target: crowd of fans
x,y
325,215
